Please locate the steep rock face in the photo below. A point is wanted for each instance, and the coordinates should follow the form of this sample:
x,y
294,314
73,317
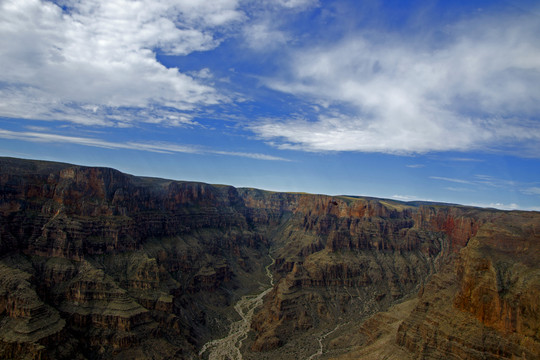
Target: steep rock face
x,y
485,303
500,281
459,224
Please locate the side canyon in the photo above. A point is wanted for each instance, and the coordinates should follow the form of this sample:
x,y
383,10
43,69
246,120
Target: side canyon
x,y
98,264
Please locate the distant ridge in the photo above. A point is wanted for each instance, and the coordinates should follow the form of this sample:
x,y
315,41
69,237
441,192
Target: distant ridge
x,y
28,166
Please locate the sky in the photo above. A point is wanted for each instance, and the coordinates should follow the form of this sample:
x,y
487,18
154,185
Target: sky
x,y
408,100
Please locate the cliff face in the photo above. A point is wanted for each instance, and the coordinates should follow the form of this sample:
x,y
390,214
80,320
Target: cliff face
x,y
116,266
485,303
345,259
98,264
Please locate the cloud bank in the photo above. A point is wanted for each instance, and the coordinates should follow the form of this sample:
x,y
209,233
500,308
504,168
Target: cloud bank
x,y
475,87
94,62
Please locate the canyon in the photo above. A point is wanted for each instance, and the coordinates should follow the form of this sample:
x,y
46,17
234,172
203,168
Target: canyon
x,y
98,264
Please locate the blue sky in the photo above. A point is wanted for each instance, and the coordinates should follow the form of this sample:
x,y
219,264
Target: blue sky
x,y
410,100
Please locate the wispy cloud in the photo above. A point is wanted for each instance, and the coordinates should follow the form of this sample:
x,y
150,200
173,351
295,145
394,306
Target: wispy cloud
x,y
494,181
501,206
505,206
265,35
458,189
268,28
465,159
531,191
416,166
480,180
156,147
454,180
407,93
256,156
493,205
409,198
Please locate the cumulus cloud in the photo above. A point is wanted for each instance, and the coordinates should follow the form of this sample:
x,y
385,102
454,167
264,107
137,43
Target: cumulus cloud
x,y
407,93
83,60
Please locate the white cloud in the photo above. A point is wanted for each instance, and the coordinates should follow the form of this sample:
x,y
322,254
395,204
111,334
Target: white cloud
x,y
56,138
493,181
264,35
456,189
493,205
459,181
386,92
465,160
270,21
531,191
256,156
407,198
101,55
502,206
481,181
156,147
296,3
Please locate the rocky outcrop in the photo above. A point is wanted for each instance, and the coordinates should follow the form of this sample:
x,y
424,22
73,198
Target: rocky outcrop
x,y
460,224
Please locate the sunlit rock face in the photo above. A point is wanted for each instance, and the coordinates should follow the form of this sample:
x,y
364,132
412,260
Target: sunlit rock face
x,y
98,264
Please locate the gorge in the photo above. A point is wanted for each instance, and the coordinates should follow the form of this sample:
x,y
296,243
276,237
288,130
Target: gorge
x,y
97,264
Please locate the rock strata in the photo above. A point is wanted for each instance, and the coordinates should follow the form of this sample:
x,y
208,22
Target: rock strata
x,y
485,302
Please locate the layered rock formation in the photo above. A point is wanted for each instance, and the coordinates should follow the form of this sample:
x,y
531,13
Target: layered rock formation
x,y
117,266
346,258
485,304
98,264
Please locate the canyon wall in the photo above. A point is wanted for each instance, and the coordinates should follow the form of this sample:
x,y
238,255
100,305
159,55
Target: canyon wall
x,y
484,304
98,264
